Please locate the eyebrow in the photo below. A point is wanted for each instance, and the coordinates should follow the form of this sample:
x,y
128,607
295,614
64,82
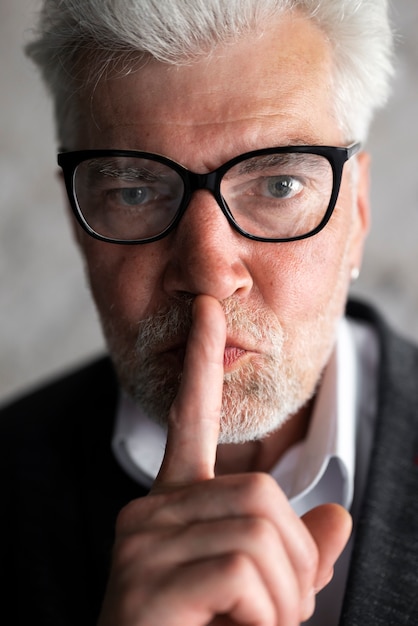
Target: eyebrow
x,y
113,170
260,163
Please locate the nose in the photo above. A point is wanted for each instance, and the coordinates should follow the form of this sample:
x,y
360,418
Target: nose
x,y
206,255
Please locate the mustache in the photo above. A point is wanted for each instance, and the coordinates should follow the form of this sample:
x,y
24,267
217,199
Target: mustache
x,y
171,324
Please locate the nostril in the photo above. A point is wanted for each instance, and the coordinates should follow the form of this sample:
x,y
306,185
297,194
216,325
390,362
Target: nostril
x,y
199,269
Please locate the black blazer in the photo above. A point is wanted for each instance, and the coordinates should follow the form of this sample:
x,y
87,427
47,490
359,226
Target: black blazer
x,y
61,490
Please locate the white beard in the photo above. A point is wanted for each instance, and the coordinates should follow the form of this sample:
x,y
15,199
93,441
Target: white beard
x,y
259,396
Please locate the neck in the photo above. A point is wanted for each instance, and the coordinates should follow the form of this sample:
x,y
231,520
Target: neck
x,y
262,455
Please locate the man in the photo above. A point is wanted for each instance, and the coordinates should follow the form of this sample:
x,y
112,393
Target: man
x,y
211,154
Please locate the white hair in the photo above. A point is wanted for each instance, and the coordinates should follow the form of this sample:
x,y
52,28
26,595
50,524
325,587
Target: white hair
x,y
100,34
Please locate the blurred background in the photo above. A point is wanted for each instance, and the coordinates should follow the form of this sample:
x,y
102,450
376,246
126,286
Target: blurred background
x,y
47,322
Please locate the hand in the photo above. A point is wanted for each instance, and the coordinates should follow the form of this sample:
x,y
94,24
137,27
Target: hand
x,y
201,550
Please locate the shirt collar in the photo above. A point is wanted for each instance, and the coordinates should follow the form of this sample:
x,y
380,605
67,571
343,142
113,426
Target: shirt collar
x,y
138,443
319,469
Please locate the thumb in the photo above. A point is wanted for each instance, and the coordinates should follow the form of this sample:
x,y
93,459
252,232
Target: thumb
x,y
330,526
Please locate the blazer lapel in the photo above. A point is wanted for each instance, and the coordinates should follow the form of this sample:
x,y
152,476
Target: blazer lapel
x,y
383,580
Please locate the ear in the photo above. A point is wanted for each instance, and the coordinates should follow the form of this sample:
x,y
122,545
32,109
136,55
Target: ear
x,y
362,217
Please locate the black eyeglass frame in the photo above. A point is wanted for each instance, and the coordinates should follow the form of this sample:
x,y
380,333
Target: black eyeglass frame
x,y
211,181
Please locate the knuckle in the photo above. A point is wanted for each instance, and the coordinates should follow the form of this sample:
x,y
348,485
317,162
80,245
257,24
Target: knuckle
x,y
261,532
261,481
141,513
134,558
128,517
127,550
259,486
234,566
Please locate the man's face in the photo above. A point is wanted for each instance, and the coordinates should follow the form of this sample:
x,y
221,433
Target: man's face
x,y
282,300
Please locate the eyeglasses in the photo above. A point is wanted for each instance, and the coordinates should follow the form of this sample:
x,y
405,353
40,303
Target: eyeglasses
x,y
272,194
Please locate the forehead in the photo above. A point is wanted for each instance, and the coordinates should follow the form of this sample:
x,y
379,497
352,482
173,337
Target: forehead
x,y
271,88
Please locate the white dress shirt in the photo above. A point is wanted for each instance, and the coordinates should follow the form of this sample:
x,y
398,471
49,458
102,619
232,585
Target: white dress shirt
x,y
319,469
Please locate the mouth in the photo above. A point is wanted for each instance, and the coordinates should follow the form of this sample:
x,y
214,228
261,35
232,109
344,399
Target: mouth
x,y
233,356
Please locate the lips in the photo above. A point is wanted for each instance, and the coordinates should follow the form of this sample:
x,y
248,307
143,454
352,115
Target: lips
x,y
232,354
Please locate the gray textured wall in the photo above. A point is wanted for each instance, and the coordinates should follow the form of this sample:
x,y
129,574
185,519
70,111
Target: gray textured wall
x,y
46,319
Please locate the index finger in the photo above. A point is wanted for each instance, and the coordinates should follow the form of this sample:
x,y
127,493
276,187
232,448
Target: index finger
x,y
193,423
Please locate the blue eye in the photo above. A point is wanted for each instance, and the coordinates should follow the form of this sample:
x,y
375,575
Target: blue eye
x,y
133,196
283,187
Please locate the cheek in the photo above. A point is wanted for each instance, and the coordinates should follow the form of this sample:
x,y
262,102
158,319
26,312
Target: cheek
x,y
124,280
299,279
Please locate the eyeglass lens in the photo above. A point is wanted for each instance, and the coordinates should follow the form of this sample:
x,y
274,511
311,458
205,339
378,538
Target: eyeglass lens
x,y
280,195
